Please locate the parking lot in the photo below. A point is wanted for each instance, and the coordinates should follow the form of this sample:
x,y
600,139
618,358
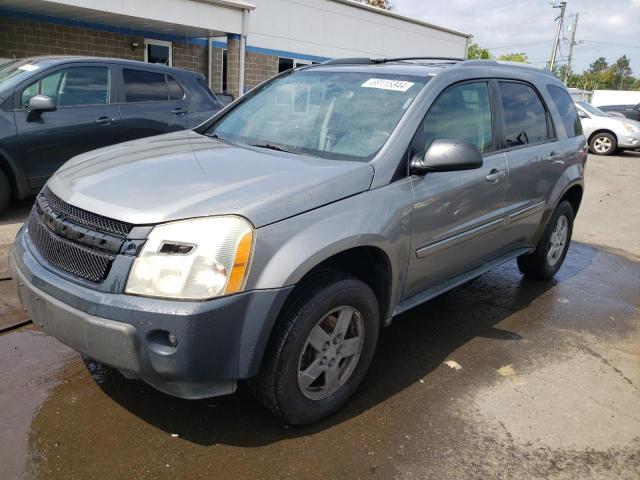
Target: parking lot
x,y
501,378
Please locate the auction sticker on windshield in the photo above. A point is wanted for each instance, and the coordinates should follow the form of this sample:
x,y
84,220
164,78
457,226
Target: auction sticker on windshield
x,y
28,67
385,84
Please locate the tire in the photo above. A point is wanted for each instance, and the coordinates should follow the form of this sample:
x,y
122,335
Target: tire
x,y
278,385
5,192
603,144
542,264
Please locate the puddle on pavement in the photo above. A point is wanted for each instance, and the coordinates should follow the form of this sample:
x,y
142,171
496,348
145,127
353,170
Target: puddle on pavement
x,y
413,416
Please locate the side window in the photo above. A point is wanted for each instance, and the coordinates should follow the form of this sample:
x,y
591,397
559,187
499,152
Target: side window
x,y
175,90
567,110
144,86
72,87
525,118
462,112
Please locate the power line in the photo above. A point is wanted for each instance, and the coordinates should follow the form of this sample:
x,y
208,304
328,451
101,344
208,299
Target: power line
x,y
612,44
519,45
508,25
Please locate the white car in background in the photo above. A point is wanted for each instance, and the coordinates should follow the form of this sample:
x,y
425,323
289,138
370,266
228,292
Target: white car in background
x,y
607,134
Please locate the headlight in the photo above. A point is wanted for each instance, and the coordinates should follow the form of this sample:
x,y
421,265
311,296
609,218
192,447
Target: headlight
x,y
631,128
194,259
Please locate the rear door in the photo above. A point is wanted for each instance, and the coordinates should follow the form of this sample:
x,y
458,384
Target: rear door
x,y
535,157
151,102
85,117
457,215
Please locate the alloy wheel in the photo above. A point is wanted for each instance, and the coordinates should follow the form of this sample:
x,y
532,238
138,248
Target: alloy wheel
x,y
331,353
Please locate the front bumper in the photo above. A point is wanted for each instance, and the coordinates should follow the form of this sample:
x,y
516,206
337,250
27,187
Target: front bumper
x,y
218,341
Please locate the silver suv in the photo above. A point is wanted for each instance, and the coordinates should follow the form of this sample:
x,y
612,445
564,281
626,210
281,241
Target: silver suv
x,y
274,241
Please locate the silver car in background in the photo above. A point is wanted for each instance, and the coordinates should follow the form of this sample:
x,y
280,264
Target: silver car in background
x,y
606,134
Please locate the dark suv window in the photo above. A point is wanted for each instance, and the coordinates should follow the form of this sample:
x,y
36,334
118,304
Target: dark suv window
x,y
525,118
145,86
462,112
567,110
72,87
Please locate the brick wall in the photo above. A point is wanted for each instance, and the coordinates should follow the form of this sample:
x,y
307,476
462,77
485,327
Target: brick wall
x,y
25,38
258,68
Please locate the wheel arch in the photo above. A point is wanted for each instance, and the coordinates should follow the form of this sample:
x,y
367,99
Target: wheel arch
x,y
601,130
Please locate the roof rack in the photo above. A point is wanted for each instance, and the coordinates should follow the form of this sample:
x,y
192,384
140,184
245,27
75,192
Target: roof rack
x,y
370,61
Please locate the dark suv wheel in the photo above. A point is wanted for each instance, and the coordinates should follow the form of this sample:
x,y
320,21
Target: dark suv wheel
x,y
5,191
552,248
320,350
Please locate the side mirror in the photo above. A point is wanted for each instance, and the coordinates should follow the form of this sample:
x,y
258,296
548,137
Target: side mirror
x,y
581,114
41,103
445,155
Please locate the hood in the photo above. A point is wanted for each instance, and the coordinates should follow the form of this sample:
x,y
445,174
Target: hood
x,y
184,174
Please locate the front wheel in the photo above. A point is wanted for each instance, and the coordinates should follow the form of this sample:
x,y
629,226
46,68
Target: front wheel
x,y
603,144
552,248
320,349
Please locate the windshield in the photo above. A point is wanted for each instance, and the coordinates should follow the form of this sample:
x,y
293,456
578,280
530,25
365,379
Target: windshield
x,y
17,67
329,114
591,109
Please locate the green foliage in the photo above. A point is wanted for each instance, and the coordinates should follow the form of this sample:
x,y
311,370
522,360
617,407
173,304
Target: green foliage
x,y
514,57
602,76
384,4
476,52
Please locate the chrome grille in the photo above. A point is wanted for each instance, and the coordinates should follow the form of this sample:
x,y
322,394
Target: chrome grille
x,y
87,263
82,217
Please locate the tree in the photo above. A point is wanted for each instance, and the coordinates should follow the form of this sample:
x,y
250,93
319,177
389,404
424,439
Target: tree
x,y
514,57
475,52
620,71
384,4
598,66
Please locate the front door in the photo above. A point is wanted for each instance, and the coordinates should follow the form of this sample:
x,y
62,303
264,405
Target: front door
x,y
457,215
84,118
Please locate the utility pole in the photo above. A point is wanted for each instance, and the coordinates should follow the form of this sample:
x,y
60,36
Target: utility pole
x,y
567,71
552,62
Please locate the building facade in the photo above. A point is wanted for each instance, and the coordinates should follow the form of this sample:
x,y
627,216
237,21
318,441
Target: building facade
x,y
234,43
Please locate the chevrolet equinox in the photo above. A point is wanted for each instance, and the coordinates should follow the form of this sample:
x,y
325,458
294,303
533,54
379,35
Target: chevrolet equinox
x,y
271,243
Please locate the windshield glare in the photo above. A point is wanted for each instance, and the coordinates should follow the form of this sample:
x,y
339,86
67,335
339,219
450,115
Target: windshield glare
x,y
592,110
17,67
335,115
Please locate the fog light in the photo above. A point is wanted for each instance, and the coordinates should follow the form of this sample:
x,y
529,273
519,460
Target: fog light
x,y
173,341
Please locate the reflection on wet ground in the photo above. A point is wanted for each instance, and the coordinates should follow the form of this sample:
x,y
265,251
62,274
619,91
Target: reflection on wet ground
x,y
548,387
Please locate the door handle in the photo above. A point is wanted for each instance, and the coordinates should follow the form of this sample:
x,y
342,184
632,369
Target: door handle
x,y
178,111
495,175
105,120
555,158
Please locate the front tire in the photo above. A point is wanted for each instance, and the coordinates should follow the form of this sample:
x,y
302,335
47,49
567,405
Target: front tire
x,y
320,349
5,192
603,144
552,248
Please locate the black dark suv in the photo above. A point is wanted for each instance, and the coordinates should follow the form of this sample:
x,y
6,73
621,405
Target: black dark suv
x,y
629,111
53,108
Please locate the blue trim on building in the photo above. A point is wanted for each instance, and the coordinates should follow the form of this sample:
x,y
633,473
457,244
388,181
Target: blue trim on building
x,y
153,35
283,53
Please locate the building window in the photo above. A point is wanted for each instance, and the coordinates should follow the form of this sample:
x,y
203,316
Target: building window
x,y
157,51
289,63
284,64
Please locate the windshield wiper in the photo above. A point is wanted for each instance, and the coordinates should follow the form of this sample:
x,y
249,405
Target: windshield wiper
x,y
271,146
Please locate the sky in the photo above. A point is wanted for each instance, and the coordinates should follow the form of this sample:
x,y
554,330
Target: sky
x,y
607,28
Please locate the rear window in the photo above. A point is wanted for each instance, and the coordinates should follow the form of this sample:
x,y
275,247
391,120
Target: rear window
x,y
525,118
567,110
144,86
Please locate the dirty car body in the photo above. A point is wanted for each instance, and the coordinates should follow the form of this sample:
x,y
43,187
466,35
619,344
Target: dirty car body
x,y
443,182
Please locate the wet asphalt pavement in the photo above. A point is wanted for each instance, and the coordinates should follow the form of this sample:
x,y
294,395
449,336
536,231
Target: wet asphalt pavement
x,y
501,378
